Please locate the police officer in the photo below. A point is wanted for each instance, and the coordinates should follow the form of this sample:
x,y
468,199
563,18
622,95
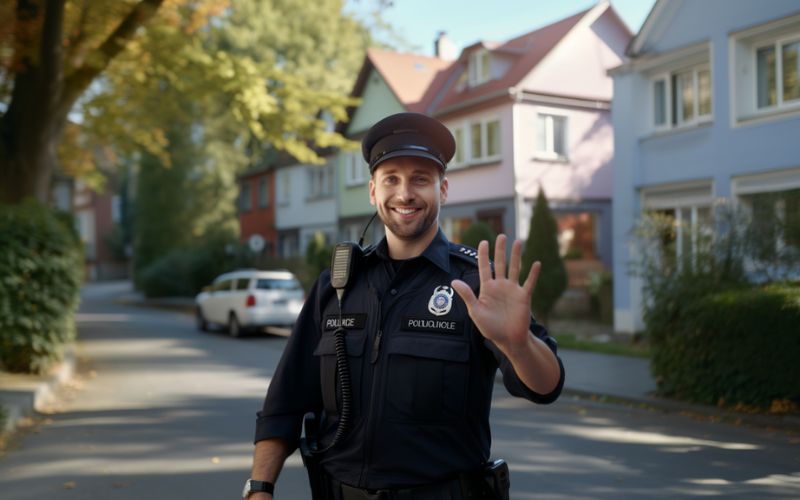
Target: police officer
x,y
428,323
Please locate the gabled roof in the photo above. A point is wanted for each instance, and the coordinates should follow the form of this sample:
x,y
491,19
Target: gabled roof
x,y
661,13
525,51
522,55
412,78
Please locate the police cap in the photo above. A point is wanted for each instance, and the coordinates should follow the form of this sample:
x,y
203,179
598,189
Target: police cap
x,y
408,134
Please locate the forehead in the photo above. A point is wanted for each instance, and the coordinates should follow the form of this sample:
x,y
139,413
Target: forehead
x,y
407,165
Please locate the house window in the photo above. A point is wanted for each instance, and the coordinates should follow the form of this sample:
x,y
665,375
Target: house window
x,y
685,215
321,181
283,187
660,102
245,197
458,135
778,74
478,67
778,216
477,142
551,137
263,193
493,139
356,169
765,77
682,97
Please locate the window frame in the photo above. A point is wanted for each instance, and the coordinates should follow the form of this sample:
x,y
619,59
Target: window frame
x,y
356,170
246,196
465,128
672,116
551,154
263,189
283,187
777,44
479,68
320,182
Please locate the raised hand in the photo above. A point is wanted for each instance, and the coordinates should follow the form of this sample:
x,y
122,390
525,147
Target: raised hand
x,y
502,312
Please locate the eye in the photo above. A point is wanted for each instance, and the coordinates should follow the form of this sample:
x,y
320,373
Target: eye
x,y
421,180
390,180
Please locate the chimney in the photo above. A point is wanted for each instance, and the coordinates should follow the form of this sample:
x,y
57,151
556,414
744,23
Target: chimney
x,y
443,48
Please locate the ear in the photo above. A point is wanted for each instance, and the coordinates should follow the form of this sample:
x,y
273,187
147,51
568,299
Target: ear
x,y
372,192
443,186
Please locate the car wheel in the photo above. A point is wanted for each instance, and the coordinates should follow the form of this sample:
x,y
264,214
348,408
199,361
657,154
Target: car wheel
x,y
234,328
202,324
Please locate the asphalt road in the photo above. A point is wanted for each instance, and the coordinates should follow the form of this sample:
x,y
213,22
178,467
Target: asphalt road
x,y
162,411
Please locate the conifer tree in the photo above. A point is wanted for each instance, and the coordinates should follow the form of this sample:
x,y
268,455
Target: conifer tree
x,y
542,246
477,232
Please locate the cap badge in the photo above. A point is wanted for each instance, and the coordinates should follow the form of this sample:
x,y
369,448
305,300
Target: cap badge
x,y
441,301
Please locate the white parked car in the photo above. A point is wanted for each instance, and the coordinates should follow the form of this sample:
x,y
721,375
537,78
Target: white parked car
x,y
250,299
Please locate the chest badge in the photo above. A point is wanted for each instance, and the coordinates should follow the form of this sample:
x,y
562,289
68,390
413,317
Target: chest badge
x,y
441,301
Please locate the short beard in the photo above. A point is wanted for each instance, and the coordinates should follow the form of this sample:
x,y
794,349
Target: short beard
x,y
407,233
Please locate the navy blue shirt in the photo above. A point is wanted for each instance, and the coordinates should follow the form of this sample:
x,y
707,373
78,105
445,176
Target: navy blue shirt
x,y
422,374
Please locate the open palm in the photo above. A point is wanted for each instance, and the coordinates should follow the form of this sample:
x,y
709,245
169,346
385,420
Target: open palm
x,y
502,311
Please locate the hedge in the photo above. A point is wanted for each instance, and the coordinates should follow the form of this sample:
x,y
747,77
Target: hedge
x,y
41,271
734,347
180,273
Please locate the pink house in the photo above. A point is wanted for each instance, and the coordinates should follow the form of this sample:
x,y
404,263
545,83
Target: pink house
x,y
534,113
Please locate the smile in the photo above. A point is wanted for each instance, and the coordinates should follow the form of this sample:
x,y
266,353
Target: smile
x,y
405,211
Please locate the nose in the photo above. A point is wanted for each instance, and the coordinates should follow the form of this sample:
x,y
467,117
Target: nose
x,y
404,192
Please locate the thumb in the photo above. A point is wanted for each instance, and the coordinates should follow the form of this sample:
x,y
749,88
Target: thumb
x,y
465,292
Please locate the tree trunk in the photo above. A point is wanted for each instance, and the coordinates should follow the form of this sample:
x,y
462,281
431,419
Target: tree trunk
x,y
32,125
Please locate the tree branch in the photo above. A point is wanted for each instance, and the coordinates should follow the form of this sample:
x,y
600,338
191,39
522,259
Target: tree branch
x,y
92,66
76,39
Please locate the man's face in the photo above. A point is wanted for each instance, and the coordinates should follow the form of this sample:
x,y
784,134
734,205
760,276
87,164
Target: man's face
x,y
407,192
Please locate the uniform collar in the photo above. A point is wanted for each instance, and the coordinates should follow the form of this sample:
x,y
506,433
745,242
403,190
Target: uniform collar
x,y
437,252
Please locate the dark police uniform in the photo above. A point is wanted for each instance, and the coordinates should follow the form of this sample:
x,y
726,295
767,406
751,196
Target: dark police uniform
x,y
422,374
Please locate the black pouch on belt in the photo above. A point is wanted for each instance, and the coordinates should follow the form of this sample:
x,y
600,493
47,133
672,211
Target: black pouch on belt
x,y
495,474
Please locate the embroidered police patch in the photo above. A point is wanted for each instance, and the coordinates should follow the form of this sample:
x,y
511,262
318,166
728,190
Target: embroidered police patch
x,y
349,321
441,301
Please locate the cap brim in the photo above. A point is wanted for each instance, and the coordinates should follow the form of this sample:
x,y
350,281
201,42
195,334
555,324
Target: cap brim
x,y
408,152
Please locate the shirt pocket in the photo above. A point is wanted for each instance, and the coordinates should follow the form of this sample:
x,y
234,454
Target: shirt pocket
x,y
427,379
329,380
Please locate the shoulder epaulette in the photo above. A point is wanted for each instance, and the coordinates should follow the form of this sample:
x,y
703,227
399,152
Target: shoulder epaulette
x,y
465,253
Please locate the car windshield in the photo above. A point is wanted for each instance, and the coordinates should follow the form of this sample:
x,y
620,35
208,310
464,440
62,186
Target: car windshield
x,y
277,284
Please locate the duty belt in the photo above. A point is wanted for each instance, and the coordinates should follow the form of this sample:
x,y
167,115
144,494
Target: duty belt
x,y
465,487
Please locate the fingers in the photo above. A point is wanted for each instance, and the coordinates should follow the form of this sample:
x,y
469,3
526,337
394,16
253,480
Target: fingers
x,y
484,269
500,257
533,276
465,292
516,257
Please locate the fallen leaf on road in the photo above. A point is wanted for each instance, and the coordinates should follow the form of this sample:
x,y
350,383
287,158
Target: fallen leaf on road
x,y
70,485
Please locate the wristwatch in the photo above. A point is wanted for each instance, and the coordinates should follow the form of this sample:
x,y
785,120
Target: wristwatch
x,y
251,486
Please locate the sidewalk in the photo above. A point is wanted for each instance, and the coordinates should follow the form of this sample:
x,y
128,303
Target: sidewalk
x,y
609,378
21,394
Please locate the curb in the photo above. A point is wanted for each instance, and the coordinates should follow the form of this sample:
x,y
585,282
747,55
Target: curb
x,y
789,423
166,304
22,395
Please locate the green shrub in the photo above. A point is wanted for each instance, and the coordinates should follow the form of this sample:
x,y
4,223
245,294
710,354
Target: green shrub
x,y
318,254
41,271
184,272
715,336
738,346
477,232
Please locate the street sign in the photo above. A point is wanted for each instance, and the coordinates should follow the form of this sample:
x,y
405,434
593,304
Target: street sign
x,y
256,243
